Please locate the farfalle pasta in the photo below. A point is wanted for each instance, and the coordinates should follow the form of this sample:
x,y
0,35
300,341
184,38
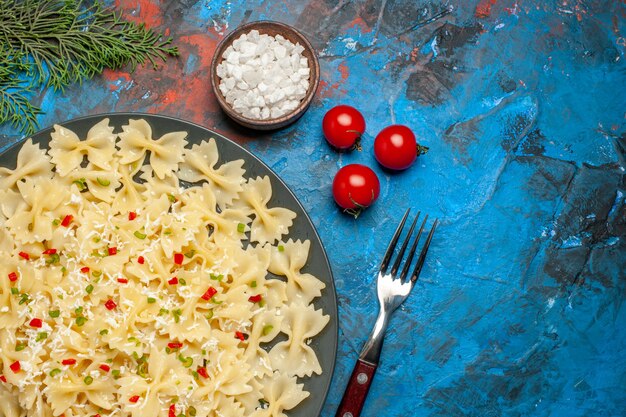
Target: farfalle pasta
x,y
67,150
199,165
269,224
32,162
124,293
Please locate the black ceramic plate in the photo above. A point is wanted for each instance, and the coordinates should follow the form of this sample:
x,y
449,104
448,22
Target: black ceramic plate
x,y
325,344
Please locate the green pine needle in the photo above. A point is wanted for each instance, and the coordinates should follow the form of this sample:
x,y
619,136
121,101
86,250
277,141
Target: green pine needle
x,y
55,43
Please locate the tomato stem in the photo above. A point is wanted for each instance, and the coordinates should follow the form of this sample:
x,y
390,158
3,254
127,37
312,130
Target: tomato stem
x,y
421,150
354,211
357,209
357,142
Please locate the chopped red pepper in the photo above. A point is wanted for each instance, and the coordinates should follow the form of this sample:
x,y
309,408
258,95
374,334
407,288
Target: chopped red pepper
x,y
255,298
50,251
96,415
105,367
3,378
241,336
110,304
141,260
15,367
134,399
68,362
24,255
112,251
13,276
67,220
209,294
122,280
173,281
84,269
172,411
175,345
203,372
132,215
36,323
178,258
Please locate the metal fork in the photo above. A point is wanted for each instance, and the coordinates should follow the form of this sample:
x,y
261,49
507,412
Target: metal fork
x,y
393,289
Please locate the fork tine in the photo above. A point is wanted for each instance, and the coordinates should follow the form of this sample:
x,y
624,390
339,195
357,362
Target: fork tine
x,y
392,245
396,264
407,265
422,257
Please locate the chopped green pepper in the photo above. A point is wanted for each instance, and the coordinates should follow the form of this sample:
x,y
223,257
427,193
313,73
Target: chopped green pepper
x,y
81,183
103,182
140,235
267,329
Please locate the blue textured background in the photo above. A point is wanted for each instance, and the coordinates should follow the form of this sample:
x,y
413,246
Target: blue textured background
x,y
519,309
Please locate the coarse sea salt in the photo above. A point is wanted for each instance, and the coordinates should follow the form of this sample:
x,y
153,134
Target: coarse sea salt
x,y
262,76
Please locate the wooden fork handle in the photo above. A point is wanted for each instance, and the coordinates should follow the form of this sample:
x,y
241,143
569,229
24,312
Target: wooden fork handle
x,y
356,392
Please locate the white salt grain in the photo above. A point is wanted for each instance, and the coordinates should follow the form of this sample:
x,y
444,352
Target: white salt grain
x,y
263,76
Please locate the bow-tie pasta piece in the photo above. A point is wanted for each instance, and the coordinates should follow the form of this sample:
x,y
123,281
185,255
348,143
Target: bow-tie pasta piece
x,y
235,311
287,259
223,387
189,320
229,406
165,153
34,223
156,187
163,379
269,224
177,229
11,202
30,357
233,379
251,267
67,389
226,181
11,311
294,356
67,150
33,399
225,223
32,162
6,242
266,326
130,197
280,392
97,184
125,334
9,405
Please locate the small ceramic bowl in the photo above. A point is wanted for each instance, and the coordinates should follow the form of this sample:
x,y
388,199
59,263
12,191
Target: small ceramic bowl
x,y
272,29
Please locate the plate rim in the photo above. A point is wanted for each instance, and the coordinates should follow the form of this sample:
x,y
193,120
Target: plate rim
x,y
332,289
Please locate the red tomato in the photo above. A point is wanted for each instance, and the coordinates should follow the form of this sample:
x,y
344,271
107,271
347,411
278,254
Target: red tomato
x,y
395,147
343,126
355,187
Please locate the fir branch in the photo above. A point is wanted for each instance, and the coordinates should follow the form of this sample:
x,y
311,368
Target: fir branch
x,y
15,108
56,43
